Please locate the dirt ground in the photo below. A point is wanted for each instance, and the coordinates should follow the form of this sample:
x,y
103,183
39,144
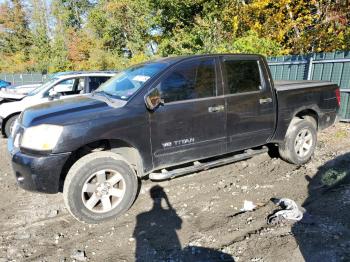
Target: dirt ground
x,y
196,217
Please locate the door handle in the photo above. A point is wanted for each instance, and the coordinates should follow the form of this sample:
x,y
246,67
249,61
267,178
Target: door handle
x,y
265,100
214,109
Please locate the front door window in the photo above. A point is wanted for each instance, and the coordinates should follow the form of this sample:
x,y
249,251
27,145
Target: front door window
x,y
190,80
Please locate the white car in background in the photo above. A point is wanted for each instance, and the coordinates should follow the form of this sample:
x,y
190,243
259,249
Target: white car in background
x,y
13,93
22,89
57,88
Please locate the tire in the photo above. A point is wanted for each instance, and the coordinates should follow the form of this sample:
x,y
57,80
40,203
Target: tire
x,y
300,141
81,186
9,124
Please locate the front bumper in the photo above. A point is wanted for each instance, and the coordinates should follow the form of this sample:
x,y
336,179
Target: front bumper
x,y
37,173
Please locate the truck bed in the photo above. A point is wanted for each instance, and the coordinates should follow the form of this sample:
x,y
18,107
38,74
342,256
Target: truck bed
x,y
318,98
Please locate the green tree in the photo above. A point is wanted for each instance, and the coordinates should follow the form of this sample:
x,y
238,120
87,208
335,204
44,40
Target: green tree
x,y
70,18
112,34
299,26
41,46
72,13
122,26
16,38
190,26
59,54
253,43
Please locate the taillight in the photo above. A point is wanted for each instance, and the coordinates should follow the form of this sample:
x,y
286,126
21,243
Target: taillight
x,y
337,94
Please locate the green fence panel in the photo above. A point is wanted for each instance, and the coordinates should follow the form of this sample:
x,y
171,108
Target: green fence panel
x,y
345,109
302,72
345,76
334,67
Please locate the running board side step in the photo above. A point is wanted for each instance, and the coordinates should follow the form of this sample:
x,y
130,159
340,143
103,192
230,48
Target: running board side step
x,y
197,166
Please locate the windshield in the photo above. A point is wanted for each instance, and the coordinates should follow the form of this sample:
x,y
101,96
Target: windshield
x,y
42,87
126,83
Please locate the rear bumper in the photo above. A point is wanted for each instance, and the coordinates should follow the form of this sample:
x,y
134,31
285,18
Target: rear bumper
x,y
38,173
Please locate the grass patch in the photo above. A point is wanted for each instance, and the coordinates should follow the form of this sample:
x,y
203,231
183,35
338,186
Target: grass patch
x,y
333,176
341,134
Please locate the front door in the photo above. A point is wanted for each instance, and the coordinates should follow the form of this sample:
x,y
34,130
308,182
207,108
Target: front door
x,y
190,125
250,103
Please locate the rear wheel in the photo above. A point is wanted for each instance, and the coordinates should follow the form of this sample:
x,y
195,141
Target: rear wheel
x,y
300,141
99,187
9,125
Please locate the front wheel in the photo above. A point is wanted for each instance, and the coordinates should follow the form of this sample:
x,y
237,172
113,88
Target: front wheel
x,y
300,142
99,187
9,125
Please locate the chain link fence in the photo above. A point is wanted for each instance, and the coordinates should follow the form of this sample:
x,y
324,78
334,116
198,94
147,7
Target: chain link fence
x,y
23,79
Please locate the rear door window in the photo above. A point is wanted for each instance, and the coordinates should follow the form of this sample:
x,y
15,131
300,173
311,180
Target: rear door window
x,y
242,76
190,80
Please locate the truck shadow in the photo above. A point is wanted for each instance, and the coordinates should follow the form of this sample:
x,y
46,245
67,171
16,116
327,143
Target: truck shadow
x,y
324,232
156,237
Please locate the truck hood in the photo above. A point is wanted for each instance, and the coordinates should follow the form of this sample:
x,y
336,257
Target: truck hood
x,y
68,111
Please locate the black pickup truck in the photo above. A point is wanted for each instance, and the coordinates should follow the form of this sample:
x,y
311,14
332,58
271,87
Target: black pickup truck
x,y
162,119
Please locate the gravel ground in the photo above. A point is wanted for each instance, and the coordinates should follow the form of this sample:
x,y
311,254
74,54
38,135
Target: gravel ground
x,y
196,216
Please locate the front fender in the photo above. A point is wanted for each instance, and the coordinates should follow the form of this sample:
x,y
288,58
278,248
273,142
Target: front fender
x,y
9,109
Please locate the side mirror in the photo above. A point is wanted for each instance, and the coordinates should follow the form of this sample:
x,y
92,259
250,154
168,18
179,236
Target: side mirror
x,y
153,99
53,94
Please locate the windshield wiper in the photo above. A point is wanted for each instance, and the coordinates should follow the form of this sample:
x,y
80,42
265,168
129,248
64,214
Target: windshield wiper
x,y
105,94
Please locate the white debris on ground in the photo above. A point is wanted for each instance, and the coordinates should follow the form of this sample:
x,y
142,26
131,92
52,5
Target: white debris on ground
x,y
79,255
248,206
290,211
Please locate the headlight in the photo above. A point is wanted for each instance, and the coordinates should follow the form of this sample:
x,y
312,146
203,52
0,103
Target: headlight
x,y
42,137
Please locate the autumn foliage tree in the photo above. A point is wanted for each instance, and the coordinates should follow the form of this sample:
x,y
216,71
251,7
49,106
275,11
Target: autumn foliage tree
x,y
58,35
15,36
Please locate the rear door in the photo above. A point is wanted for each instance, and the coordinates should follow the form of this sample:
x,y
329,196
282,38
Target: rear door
x,y
249,101
191,123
